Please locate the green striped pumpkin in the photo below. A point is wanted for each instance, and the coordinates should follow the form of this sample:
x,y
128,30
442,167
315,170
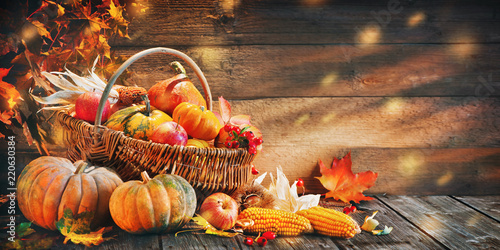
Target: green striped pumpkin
x,y
160,205
137,121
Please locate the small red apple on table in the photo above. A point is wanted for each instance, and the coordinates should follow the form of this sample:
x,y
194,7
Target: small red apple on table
x,y
86,106
220,210
170,133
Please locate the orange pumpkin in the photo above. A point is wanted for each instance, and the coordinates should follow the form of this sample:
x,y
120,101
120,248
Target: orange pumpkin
x,y
159,205
167,94
199,122
49,185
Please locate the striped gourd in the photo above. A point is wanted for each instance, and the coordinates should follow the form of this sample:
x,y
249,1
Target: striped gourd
x,y
280,222
331,222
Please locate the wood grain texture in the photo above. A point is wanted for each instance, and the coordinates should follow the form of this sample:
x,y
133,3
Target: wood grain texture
x,y
405,235
489,205
453,224
250,72
248,22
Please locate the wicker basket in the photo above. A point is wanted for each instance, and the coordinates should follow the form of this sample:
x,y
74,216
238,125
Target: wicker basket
x,y
208,170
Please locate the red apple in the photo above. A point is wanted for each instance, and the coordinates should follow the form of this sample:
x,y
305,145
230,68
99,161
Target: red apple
x,y
86,107
170,133
220,210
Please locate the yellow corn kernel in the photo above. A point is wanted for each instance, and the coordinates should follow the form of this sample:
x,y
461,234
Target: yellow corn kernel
x,y
331,222
280,222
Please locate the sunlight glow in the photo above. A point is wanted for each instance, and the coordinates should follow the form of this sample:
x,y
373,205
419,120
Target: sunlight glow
x,y
369,35
394,106
312,3
328,118
229,5
445,179
462,45
329,79
409,163
301,119
416,19
11,102
29,32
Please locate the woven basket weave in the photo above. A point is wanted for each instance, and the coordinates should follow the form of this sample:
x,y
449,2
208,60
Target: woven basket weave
x,y
208,170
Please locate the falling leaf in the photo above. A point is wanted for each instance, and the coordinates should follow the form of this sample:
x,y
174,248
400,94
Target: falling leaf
x,y
77,229
342,183
370,224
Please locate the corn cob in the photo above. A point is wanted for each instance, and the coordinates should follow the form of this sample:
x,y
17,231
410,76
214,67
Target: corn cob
x,y
280,222
331,222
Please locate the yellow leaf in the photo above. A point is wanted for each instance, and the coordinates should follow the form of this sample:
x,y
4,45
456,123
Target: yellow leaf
x,y
92,238
209,229
77,229
41,29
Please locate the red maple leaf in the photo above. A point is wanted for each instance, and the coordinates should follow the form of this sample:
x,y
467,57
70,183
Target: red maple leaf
x,y
342,183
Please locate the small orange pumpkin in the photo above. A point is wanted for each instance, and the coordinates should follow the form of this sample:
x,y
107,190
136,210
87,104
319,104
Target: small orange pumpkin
x,y
198,121
49,185
159,205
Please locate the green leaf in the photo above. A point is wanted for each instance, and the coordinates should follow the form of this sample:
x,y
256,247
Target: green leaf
x,y
24,229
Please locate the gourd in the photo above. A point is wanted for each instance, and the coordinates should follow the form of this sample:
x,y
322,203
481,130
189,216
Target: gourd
x,y
167,94
199,122
49,185
159,205
198,143
137,121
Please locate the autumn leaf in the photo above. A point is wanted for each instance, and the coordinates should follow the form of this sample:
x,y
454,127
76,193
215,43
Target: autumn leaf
x,y
342,183
209,229
225,114
26,239
7,90
117,23
77,229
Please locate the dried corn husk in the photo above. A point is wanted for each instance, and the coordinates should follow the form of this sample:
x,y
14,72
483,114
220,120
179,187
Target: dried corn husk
x,y
288,199
65,98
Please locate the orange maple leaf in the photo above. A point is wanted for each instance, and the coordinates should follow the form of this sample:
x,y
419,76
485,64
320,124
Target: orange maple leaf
x,y
342,183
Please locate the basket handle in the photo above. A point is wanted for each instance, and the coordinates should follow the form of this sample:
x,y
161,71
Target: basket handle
x,y
119,71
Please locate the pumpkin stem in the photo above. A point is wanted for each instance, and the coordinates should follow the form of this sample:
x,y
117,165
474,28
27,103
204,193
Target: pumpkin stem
x,y
178,68
148,105
145,177
202,109
80,166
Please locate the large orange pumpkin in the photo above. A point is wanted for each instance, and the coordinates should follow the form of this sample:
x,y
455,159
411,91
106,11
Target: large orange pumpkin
x,y
49,185
199,122
159,205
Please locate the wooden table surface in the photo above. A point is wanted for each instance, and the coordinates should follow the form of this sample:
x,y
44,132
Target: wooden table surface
x,y
419,222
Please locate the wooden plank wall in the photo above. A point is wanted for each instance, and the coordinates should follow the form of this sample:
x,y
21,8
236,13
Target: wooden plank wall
x,y
411,88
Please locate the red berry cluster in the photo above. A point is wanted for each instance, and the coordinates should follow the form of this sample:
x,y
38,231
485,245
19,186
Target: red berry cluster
x,y
350,209
241,138
261,240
